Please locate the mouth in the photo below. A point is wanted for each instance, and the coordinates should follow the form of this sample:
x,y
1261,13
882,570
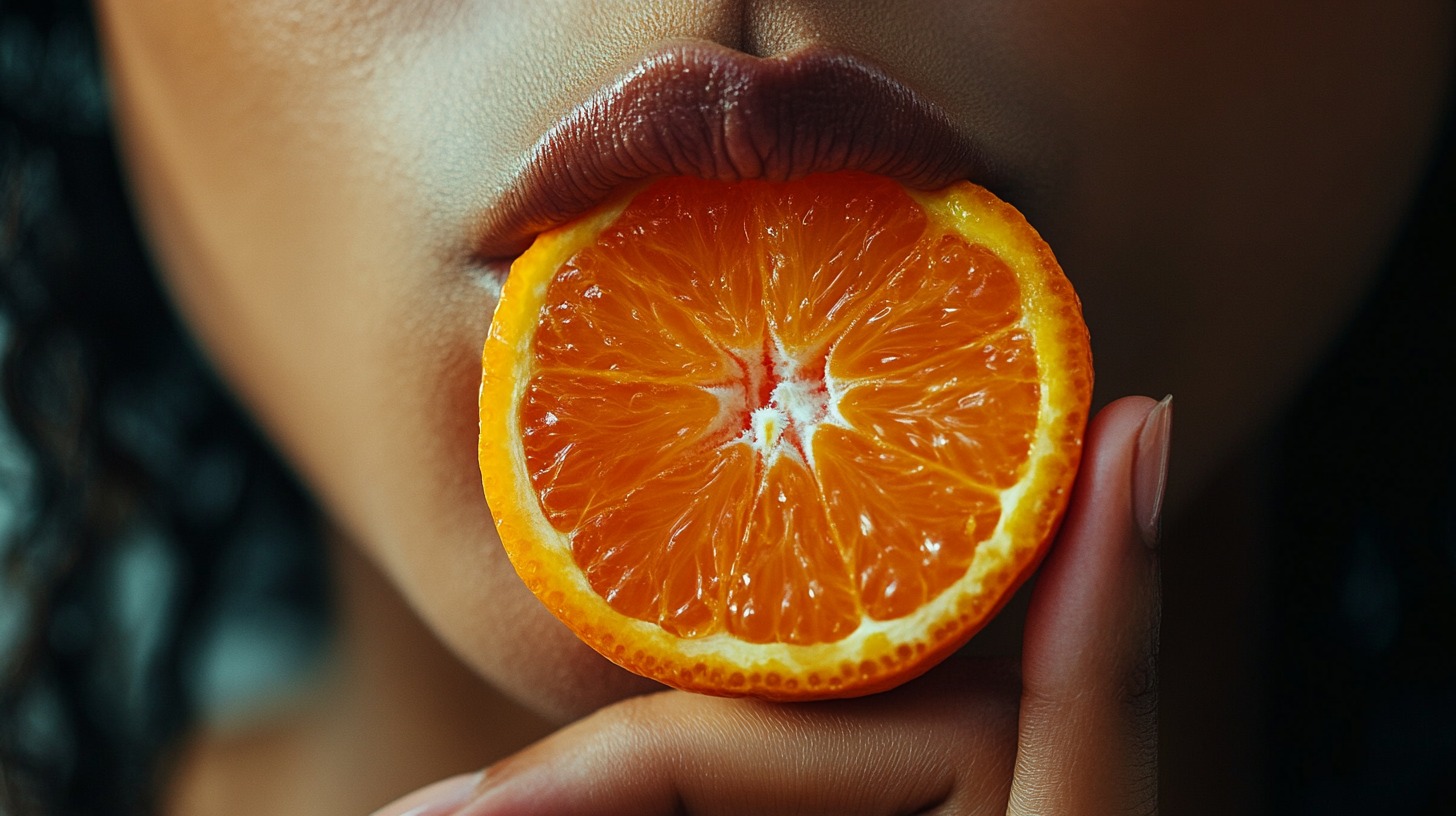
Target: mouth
x,y
700,109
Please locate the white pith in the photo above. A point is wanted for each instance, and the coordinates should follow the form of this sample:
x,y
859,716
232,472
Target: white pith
x,y
800,401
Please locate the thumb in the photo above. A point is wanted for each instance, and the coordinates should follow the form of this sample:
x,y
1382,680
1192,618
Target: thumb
x,y
1088,732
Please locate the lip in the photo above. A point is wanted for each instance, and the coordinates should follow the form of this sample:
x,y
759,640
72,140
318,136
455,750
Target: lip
x,y
704,110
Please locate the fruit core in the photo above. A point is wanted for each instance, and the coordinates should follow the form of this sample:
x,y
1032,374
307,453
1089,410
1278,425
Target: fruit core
x,y
781,402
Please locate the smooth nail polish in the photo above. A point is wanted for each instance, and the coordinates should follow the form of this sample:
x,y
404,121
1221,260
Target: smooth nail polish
x,y
1150,471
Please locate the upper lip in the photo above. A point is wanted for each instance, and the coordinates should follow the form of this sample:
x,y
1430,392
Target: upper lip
x,y
704,110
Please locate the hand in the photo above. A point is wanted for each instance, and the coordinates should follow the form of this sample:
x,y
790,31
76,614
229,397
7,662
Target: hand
x,y
1073,731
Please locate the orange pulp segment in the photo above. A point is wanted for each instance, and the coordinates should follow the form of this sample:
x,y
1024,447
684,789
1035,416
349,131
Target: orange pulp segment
x,y
789,439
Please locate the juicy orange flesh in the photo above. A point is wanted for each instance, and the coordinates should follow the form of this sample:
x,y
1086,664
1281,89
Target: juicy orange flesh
x,y
775,409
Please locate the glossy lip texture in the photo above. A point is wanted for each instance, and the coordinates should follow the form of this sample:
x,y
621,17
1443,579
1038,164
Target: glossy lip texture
x,y
704,110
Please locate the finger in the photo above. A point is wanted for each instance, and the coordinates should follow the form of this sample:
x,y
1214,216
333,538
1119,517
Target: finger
x,y
905,751
1088,732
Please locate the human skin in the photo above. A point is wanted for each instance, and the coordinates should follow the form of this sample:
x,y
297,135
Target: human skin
x,y
1218,180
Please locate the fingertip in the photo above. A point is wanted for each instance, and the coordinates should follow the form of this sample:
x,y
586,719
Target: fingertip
x,y
1114,430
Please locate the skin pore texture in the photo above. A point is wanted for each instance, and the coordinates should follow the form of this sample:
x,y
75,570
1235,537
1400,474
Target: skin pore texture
x,y
1218,180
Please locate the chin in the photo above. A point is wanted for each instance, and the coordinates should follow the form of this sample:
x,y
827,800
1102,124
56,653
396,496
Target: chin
x,y
503,634
560,678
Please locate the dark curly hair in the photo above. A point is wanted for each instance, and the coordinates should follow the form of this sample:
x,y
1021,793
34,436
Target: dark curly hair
x,y
133,485
126,458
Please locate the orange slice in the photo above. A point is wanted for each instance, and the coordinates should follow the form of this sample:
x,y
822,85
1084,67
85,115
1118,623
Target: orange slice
x,y
786,439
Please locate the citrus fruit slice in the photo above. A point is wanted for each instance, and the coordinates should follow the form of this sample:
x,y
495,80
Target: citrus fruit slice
x,y
785,439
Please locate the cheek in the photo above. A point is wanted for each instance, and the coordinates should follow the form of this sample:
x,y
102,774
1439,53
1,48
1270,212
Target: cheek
x,y
310,217
488,618
434,534
1233,171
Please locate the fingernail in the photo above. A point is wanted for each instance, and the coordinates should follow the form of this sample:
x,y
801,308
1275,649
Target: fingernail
x,y
1150,471
449,797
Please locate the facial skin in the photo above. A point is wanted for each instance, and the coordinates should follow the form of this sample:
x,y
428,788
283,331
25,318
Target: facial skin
x,y
1217,179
